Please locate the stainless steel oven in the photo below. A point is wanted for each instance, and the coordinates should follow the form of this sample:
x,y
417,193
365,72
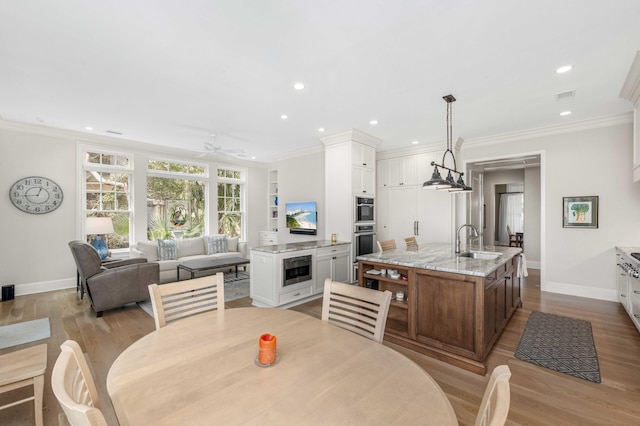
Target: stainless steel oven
x,y
365,210
364,240
296,270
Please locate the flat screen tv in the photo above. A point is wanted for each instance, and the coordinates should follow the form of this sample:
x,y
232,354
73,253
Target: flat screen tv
x,y
302,218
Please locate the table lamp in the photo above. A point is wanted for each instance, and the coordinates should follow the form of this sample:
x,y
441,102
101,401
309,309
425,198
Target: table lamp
x,y
99,226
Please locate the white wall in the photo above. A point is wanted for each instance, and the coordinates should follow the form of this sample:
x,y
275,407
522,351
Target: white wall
x,y
34,254
594,158
532,216
301,179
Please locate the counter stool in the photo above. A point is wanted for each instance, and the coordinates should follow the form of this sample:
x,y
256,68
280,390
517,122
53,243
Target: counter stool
x,y
21,368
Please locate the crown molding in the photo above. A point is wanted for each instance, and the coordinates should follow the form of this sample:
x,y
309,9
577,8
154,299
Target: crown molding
x,y
300,153
351,135
614,120
631,87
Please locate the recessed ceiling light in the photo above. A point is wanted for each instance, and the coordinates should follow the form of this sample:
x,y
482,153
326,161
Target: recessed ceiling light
x,y
563,69
298,86
89,128
284,116
321,129
253,158
565,113
415,142
373,122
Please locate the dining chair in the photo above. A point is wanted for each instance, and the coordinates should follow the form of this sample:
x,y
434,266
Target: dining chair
x,y
494,407
386,245
185,298
73,386
412,243
22,368
357,309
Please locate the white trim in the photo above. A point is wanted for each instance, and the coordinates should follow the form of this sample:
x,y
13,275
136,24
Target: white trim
x,y
351,135
300,153
608,294
631,87
44,286
595,123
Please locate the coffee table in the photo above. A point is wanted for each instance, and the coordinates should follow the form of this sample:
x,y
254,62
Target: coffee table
x,y
193,266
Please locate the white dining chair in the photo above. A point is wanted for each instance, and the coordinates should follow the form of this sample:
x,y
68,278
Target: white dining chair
x,y
185,298
494,407
357,309
74,388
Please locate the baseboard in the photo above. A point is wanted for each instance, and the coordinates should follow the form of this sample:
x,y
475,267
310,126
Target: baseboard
x,y
535,264
44,286
581,291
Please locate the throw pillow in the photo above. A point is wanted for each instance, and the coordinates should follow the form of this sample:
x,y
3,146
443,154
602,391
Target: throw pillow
x,y
149,249
167,250
217,244
232,243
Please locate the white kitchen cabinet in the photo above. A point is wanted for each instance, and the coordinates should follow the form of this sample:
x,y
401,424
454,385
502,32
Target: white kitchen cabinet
x,y
383,227
402,214
434,216
363,155
363,181
424,169
382,173
402,171
631,92
333,263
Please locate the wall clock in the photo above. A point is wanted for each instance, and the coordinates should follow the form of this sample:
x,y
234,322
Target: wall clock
x,y
36,195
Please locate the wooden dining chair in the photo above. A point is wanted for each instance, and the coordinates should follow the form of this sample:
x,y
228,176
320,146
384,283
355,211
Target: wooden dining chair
x,y
185,298
386,245
412,243
358,309
73,386
22,368
494,407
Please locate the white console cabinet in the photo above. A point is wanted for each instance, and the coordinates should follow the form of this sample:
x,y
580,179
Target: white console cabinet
x,y
331,262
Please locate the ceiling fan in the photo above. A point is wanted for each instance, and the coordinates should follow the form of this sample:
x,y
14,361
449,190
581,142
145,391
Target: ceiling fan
x,y
213,149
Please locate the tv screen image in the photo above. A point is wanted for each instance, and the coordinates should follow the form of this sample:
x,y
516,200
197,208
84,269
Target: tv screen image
x,y
302,217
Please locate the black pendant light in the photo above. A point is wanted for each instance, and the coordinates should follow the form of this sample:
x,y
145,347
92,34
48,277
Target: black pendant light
x,y
436,181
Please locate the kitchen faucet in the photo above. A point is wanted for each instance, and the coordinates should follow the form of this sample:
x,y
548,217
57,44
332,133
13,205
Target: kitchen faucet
x,y
475,234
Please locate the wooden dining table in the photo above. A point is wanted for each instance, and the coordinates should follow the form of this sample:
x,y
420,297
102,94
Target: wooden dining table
x,y
202,371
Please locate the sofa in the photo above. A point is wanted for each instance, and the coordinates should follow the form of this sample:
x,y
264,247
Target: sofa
x,y
168,254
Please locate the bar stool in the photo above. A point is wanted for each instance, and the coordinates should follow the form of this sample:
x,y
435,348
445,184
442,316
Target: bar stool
x,y
21,368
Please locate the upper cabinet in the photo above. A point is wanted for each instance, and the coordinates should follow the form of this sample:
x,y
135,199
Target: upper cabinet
x,y
631,92
363,155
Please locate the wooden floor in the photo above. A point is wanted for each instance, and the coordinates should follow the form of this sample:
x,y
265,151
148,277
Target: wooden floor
x,y
538,396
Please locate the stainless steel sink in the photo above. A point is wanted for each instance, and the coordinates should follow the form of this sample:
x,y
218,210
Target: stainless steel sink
x,y
483,255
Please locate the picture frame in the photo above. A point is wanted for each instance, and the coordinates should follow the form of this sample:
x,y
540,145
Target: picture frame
x,y
580,212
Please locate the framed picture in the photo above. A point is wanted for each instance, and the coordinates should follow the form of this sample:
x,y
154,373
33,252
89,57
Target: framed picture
x,y
580,212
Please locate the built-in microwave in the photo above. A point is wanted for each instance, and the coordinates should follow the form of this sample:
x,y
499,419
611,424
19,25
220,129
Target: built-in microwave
x,y
364,209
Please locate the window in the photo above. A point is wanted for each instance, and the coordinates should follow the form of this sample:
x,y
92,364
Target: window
x,y
107,193
175,199
231,187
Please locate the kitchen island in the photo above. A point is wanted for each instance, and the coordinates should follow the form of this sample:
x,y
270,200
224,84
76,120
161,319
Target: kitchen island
x,y
454,306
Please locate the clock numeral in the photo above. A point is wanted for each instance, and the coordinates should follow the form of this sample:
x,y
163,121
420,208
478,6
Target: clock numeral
x,y
19,187
47,208
18,201
38,181
55,189
27,182
37,209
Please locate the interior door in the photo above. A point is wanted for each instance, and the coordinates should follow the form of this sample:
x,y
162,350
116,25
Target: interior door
x,y
401,214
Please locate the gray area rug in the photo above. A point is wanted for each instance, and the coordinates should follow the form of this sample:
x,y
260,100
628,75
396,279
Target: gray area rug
x,y
560,343
234,288
24,332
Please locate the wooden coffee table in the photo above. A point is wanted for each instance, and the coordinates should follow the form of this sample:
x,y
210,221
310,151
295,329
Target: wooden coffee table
x,y
193,266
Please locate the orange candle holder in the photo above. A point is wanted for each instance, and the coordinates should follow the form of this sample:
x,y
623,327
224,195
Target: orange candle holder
x,y
267,353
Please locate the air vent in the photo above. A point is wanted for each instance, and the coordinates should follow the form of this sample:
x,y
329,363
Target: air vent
x,y
565,95
113,132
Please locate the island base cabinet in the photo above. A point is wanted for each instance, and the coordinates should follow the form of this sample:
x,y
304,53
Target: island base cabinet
x,y
446,316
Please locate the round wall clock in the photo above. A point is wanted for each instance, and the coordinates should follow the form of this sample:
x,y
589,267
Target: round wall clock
x,y
36,195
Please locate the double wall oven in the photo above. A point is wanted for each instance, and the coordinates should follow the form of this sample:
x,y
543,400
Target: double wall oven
x,y
364,230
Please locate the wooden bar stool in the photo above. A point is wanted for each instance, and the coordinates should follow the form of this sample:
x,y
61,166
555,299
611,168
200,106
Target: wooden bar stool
x,y
21,368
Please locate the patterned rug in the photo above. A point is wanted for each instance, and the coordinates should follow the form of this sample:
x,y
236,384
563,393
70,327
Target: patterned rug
x,y
234,288
561,344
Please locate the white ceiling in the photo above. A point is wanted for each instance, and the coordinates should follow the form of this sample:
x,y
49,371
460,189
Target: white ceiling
x,y
171,72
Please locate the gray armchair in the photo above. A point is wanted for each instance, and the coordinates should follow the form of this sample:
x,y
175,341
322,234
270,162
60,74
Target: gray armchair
x,y
112,284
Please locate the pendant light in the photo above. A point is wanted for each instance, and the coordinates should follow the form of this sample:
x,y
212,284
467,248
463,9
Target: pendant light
x,y
436,181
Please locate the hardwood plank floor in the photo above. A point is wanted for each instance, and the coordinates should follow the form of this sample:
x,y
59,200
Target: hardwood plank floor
x,y
538,396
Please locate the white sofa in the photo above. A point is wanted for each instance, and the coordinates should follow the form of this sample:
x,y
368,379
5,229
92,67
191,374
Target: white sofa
x,y
181,250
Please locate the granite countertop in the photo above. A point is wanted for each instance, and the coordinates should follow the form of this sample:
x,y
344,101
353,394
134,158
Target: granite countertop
x,y
629,250
441,257
304,245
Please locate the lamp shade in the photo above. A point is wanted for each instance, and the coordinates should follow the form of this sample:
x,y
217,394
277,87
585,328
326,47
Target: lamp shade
x,y
99,226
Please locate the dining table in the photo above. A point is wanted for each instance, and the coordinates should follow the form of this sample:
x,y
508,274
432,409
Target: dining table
x,y
204,370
